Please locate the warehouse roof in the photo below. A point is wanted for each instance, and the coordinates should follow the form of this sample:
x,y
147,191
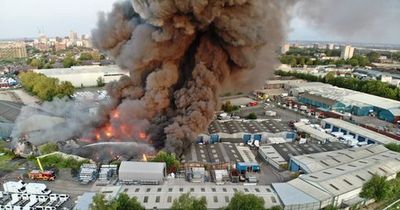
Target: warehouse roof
x,y
162,196
349,97
147,167
348,177
213,153
309,189
111,69
290,195
314,132
247,126
271,153
320,161
373,100
361,131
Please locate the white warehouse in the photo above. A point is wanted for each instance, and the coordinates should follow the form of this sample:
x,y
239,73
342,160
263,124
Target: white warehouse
x,y
142,172
85,76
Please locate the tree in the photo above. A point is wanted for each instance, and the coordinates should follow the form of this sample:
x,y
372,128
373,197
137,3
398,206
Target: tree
x,y
48,148
377,188
331,207
393,147
65,88
170,160
373,56
187,202
100,82
68,62
252,116
85,56
245,202
228,107
99,203
123,202
37,63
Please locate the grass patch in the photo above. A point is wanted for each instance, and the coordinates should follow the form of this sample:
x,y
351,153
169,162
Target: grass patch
x,y
58,161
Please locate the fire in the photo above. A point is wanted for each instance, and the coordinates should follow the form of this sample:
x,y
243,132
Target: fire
x,y
97,136
115,114
144,157
142,135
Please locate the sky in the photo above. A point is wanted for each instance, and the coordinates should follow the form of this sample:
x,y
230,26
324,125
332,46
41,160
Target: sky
x,y
25,18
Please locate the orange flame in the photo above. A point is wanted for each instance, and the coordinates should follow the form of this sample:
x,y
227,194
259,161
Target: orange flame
x,y
115,114
142,135
144,157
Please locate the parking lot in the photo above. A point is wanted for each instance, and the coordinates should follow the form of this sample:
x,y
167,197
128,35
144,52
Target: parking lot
x,y
293,149
237,126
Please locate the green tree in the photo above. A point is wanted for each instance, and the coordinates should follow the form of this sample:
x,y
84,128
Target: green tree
x,y
123,202
68,62
65,88
99,203
245,202
48,148
85,56
37,63
188,202
393,147
353,62
252,116
170,160
228,107
100,82
377,187
373,56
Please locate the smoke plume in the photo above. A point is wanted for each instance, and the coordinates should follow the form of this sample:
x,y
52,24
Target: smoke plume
x,y
181,54
58,120
361,20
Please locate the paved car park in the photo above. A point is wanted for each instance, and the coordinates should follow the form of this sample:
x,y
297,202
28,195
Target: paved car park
x,y
294,149
248,126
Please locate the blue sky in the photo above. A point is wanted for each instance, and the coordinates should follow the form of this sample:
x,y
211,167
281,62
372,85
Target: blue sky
x,y
25,18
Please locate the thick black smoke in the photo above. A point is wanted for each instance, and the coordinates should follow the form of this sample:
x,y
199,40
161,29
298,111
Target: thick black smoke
x,y
181,54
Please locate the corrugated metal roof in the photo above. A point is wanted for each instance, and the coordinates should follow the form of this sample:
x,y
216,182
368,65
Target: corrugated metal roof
x,y
290,195
325,160
361,131
146,167
81,69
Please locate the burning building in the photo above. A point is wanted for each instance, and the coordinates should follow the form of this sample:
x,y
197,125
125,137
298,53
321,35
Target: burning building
x,y
180,55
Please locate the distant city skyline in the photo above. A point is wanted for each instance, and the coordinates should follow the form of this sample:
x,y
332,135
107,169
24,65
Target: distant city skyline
x,y
58,18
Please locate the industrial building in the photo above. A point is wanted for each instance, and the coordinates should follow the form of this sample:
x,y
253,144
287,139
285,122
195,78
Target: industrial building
x,y
358,133
224,152
85,76
217,196
142,172
279,155
342,100
12,50
242,129
315,132
335,177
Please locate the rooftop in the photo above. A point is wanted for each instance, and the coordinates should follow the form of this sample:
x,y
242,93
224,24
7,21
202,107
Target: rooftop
x,y
320,161
360,130
287,150
213,153
162,196
147,167
111,69
248,126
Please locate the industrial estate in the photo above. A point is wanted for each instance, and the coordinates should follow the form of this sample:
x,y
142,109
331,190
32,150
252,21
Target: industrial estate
x,y
157,118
